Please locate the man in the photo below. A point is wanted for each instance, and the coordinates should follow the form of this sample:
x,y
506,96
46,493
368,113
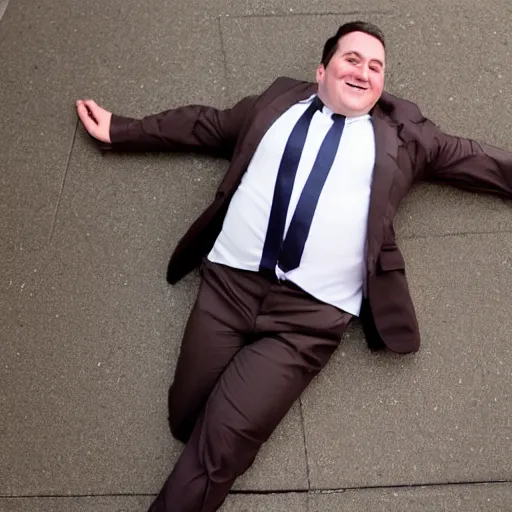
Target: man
x,y
299,239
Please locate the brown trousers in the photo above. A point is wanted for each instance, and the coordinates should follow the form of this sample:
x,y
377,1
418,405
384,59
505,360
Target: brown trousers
x,y
251,346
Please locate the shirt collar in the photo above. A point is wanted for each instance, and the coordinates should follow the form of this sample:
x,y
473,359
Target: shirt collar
x,y
328,112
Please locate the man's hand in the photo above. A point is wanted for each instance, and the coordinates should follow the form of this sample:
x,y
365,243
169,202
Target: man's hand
x,y
95,119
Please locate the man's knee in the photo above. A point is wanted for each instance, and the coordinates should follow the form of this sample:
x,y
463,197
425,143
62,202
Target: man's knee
x,y
179,431
180,424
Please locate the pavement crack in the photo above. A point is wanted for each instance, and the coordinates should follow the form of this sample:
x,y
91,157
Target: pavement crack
x,y
303,425
57,207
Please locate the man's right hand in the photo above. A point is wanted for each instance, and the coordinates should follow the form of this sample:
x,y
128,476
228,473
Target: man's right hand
x,y
95,119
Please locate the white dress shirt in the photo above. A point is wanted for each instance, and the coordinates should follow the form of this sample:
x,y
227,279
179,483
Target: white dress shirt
x,y
332,265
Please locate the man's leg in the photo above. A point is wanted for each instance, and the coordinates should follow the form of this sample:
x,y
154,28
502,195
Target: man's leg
x,y
221,322
251,397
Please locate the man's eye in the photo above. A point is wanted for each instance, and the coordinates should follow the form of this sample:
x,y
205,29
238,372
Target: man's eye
x,y
375,68
352,61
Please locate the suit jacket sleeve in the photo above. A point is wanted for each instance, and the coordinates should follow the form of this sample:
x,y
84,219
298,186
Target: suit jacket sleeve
x,y
194,128
466,163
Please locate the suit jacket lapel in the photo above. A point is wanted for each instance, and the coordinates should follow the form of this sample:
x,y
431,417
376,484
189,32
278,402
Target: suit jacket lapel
x,y
386,149
269,113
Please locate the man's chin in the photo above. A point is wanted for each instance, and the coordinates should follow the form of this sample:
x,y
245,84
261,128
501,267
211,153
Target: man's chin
x,y
357,109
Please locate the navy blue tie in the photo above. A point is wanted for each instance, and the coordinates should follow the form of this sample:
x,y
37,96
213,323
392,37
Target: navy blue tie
x,y
284,186
298,231
288,254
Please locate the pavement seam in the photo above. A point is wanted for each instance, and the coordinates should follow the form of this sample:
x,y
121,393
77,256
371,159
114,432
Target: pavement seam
x,y
303,425
411,486
57,207
224,57
304,14
267,492
446,235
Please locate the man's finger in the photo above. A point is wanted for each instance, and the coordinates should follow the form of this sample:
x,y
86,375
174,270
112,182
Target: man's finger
x,y
95,110
89,124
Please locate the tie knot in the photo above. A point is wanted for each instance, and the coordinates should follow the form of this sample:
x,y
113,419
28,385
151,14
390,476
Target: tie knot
x,y
319,104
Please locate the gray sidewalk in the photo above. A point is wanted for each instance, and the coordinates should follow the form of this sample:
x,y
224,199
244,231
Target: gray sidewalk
x,y
91,330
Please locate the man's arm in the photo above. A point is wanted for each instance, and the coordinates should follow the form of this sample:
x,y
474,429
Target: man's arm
x,y
193,128
466,163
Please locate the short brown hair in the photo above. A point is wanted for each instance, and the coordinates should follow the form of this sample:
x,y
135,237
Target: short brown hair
x,y
354,26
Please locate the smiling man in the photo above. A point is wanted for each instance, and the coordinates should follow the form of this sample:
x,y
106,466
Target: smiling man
x,y
298,240
351,76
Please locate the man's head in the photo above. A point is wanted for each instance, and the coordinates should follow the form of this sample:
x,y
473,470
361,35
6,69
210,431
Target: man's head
x,y
351,76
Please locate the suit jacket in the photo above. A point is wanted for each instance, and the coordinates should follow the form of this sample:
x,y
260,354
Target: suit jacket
x,y
409,148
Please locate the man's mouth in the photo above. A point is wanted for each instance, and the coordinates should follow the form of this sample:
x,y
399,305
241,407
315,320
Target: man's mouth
x,y
359,87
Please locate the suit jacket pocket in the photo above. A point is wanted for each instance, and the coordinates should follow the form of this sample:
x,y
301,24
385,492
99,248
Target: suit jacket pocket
x,y
390,304
390,259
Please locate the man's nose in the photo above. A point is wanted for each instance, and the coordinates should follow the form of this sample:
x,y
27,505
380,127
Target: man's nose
x,y
362,73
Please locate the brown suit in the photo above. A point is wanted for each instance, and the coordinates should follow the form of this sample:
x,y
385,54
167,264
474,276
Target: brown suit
x,y
409,148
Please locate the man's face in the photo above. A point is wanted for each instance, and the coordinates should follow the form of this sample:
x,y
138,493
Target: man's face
x,y
353,80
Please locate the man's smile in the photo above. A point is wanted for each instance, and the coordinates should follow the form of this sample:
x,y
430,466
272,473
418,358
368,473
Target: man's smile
x,y
360,87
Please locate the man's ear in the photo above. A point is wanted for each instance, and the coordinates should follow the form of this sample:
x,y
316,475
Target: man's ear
x,y
320,72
